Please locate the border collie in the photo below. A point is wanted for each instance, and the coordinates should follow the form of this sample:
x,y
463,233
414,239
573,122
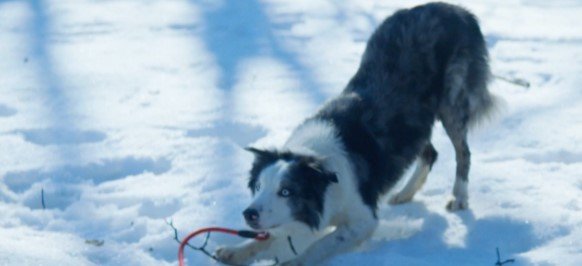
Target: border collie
x,y
318,194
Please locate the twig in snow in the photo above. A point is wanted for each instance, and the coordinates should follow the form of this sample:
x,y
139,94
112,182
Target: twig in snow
x,y
202,248
516,81
499,262
94,242
42,198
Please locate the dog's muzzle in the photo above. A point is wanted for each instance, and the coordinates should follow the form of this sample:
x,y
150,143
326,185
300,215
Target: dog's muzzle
x,y
251,216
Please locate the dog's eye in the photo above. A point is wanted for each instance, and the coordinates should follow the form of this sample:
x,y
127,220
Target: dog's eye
x,y
258,187
284,193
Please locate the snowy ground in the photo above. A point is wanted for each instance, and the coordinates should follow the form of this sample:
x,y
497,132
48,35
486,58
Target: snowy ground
x,y
126,113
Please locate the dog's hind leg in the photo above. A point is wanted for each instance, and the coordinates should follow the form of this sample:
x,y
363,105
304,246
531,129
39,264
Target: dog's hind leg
x,y
456,129
425,161
467,101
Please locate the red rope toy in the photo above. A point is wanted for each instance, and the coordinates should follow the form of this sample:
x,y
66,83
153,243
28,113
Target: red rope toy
x,y
260,236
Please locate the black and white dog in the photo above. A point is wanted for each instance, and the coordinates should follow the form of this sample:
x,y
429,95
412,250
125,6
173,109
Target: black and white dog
x,y
318,194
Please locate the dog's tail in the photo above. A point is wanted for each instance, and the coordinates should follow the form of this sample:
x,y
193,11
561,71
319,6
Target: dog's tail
x,y
485,108
466,82
468,75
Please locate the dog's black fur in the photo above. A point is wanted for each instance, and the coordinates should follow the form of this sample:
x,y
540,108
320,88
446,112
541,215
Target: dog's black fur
x,y
421,64
406,80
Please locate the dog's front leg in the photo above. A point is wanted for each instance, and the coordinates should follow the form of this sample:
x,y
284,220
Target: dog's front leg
x,y
289,243
358,227
242,253
283,245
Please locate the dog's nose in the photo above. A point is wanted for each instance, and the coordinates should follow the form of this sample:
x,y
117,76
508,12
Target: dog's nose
x,y
251,215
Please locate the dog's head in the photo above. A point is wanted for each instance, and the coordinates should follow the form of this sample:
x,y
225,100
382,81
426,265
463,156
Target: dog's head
x,y
286,187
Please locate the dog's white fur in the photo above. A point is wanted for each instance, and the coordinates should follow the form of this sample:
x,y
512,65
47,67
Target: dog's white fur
x,y
266,200
346,221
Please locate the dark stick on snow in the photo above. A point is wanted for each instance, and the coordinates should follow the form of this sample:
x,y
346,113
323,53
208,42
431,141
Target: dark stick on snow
x,y
42,198
499,262
291,245
201,248
516,81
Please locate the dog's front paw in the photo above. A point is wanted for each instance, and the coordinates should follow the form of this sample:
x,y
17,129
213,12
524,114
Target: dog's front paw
x,y
295,262
224,254
457,204
231,255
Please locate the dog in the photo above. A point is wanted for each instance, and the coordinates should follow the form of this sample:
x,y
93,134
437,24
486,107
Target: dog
x,y
318,194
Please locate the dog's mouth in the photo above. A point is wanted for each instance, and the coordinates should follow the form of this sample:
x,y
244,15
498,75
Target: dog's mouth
x,y
254,225
257,226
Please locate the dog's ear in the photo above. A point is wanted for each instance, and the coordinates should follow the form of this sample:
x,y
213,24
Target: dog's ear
x,y
318,167
258,152
262,159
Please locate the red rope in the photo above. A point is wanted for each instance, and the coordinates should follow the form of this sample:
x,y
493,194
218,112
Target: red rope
x,y
242,233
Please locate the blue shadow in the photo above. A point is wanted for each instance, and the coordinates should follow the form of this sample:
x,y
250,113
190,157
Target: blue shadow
x,y
427,247
63,127
97,173
241,29
40,56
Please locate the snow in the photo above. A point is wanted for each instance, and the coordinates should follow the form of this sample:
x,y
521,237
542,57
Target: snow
x,y
130,113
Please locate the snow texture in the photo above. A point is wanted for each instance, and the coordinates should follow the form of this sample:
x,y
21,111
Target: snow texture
x,y
127,113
